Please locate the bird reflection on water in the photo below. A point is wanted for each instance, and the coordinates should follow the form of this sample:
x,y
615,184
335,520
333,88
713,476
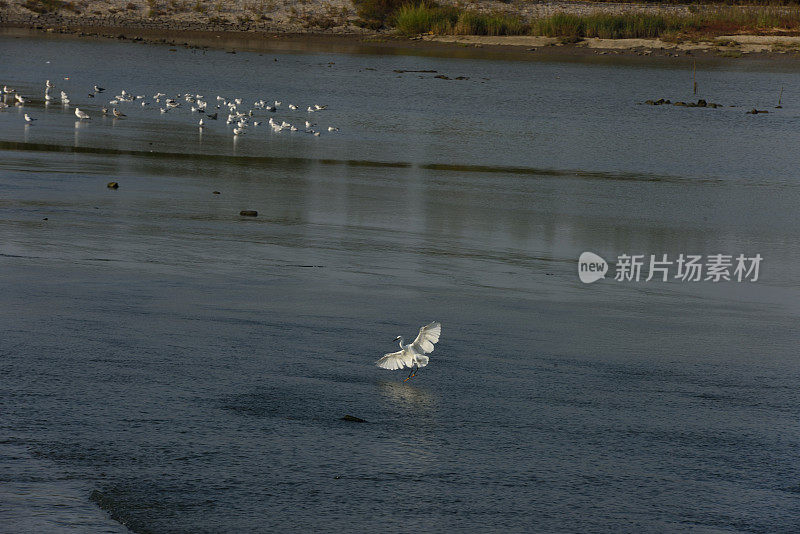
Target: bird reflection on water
x,y
407,395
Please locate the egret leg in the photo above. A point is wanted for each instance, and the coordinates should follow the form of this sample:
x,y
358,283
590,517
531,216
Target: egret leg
x,y
413,373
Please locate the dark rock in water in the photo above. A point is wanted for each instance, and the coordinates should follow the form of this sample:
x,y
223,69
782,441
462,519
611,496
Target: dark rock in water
x,y
650,102
691,105
216,193
755,111
442,77
248,213
660,102
680,104
112,185
701,103
353,419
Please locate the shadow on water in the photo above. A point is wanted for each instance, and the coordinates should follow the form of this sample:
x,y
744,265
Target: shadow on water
x,y
297,162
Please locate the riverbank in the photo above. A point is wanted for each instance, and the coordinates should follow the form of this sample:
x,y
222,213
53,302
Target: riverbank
x,y
250,26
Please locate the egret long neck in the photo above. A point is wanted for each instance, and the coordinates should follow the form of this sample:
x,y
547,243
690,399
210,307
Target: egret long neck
x,y
401,342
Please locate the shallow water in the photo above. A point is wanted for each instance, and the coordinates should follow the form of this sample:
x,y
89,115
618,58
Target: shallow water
x,y
192,366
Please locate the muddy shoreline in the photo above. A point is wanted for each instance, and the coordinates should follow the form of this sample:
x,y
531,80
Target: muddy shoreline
x,y
232,38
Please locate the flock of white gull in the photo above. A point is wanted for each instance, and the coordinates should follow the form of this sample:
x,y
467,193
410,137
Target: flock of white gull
x,y
239,119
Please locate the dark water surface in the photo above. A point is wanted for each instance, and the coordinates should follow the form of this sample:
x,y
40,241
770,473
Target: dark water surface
x,y
191,366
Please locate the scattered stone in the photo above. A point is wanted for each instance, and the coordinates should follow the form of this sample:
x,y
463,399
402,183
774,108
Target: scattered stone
x,y
442,77
353,419
215,193
248,213
699,104
112,185
755,111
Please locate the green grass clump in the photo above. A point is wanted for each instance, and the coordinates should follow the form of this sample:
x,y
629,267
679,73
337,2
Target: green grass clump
x,y
638,25
421,18
606,26
429,18
426,17
609,26
473,23
560,25
377,13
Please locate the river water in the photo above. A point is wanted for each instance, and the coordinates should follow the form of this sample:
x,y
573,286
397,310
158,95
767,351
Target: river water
x,y
171,366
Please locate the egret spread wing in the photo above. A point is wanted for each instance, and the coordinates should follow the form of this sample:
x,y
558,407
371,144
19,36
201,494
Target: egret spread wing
x,y
428,335
396,360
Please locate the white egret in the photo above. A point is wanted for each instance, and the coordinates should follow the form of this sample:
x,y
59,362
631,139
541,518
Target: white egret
x,y
413,355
